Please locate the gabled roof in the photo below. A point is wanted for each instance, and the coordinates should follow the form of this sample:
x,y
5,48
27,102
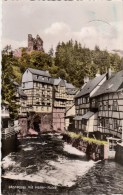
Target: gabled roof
x,y
21,93
111,85
69,86
39,72
57,81
85,116
60,82
71,91
88,115
89,87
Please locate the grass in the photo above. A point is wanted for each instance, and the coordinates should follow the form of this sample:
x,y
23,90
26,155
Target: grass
x,y
90,140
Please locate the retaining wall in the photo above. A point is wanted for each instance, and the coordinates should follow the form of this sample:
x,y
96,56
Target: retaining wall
x,y
92,150
119,153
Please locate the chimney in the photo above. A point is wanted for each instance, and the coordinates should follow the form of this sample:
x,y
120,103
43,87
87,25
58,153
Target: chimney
x,y
86,79
109,73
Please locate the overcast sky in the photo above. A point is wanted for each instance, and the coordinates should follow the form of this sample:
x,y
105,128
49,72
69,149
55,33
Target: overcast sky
x,y
98,22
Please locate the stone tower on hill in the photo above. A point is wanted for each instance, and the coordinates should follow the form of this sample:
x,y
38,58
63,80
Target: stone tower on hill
x,y
35,43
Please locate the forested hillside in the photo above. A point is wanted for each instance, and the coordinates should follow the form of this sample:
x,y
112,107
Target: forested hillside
x,y
71,61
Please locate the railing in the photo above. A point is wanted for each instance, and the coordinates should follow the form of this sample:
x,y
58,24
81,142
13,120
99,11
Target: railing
x,y
8,132
5,113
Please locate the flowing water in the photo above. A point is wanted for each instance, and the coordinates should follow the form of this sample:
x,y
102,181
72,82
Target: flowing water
x,y
47,165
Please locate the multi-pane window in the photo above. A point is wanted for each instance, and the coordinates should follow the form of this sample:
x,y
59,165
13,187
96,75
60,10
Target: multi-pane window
x,y
79,101
114,106
107,105
115,123
101,122
83,100
79,124
76,125
107,122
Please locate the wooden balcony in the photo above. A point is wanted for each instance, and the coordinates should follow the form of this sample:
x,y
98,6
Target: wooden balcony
x,y
56,104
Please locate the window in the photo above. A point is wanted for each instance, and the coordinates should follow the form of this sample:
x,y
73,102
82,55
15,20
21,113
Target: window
x,y
84,121
107,122
76,124
107,106
84,100
79,100
88,100
84,111
115,124
114,106
103,106
101,122
79,124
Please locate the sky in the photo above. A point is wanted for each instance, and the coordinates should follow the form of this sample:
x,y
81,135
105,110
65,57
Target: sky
x,y
91,22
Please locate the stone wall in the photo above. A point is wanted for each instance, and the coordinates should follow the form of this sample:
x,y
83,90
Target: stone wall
x,y
46,122
23,126
58,119
119,153
93,151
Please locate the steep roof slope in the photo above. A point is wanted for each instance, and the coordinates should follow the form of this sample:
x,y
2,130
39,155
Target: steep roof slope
x,y
39,72
111,85
88,88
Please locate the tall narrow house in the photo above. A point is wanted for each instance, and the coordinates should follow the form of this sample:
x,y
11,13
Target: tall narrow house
x,y
108,101
38,86
85,118
59,104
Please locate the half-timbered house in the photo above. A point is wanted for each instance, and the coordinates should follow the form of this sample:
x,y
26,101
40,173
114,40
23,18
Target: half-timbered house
x,y
108,101
85,118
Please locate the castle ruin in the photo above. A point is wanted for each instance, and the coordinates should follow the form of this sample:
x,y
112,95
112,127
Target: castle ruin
x,y
35,43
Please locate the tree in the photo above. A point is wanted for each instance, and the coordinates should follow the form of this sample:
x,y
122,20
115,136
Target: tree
x,y
8,89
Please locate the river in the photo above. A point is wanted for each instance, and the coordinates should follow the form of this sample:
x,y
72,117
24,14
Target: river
x,y
47,165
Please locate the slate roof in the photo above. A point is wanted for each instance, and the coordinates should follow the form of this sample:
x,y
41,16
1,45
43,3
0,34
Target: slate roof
x,y
57,81
69,86
47,80
39,72
21,93
111,85
88,115
89,87
78,118
71,91
85,116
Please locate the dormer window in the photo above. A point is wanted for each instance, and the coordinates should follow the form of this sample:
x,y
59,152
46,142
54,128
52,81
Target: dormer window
x,y
37,77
